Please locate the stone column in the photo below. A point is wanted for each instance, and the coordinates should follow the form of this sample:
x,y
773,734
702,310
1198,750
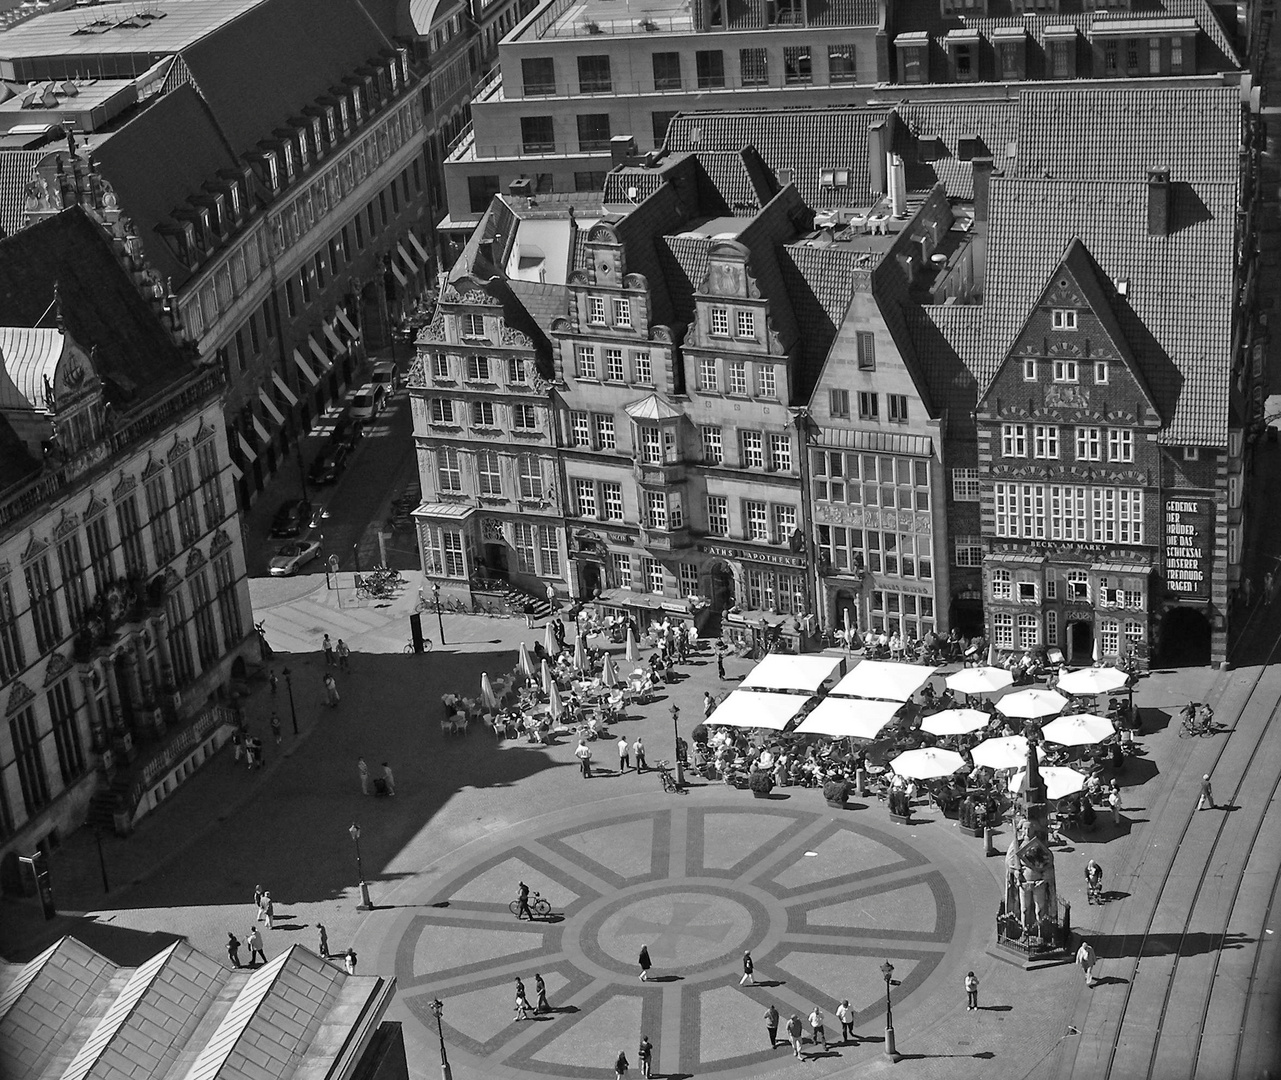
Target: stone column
x,y
159,627
93,708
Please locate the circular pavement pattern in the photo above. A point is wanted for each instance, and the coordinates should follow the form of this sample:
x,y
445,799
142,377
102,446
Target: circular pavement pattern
x,y
819,901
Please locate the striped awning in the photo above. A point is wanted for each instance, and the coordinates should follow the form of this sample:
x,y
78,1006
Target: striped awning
x,y
263,433
347,325
283,387
270,406
334,339
249,452
400,274
319,353
422,251
409,259
235,471
305,368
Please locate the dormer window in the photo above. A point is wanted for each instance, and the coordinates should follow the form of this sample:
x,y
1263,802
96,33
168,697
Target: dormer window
x,y
287,156
834,178
344,114
1063,319
1100,373
473,325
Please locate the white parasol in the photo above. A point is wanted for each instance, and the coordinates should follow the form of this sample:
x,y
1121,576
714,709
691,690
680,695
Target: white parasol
x,y
525,664
1079,730
633,653
487,692
549,641
1032,704
979,680
548,681
884,680
1060,781
608,675
1099,680
848,718
1007,753
554,706
580,654
928,763
956,722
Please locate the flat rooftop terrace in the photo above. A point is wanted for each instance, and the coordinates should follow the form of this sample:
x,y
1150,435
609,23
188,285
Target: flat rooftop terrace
x,y
587,18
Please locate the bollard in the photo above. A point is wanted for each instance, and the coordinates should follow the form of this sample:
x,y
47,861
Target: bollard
x,y
860,782
989,848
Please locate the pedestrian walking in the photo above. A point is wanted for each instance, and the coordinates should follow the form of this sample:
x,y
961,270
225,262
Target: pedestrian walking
x,y
540,988
389,779
748,978
551,596
233,949
816,1023
644,1053
1114,803
645,963
254,940
709,704
529,614
771,1026
249,753
328,648
522,1001
1085,957
1247,590
344,656
349,961
272,682
237,744
1268,582
260,759
257,901
522,902
846,1016
1206,802
971,992
269,910
275,727
794,1030
621,1064
584,755
363,769
624,758
323,946
331,691
638,748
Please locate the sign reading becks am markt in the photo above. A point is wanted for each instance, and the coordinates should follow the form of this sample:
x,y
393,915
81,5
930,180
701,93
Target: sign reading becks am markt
x,y
1188,539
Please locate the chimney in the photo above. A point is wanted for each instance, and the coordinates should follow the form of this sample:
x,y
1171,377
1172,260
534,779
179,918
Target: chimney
x,y
521,190
1159,202
898,186
981,174
876,150
622,150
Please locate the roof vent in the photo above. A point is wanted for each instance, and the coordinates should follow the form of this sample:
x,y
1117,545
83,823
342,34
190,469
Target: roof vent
x,y
784,176
1159,202
522,188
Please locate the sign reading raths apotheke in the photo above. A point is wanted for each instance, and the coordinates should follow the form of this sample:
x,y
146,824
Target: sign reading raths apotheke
x,y
1189,536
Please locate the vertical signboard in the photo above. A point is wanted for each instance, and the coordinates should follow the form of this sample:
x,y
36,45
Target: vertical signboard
x,y
1189,536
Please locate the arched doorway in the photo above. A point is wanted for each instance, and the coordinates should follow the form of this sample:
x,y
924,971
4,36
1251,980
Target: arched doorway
x,y
1080,642
1185,638
722,579
845,610
589,577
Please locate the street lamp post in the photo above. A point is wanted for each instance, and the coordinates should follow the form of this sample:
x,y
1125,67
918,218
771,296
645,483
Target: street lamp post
x,y
440,623
365,903
438,1007
676,732
887,969
289,685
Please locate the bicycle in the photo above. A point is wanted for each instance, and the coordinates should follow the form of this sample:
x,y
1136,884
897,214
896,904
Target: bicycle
x,y
664,770
537,905
1198,720
427,645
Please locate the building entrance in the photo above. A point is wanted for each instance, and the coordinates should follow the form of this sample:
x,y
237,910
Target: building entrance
x,y
1080,643
722,579
1185,638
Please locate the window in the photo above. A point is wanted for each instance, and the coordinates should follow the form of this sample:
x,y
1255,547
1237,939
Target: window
x,y
753,67
656,509
667,71
1051,628
179,642
709,64
620,567
797,67
1063,319
708,379
865,341
612,496
515,372
524,417
523,542
66,735
660,120
652,572
596,310
440,365
780,453
1003,630
473,325
593,132
1045,441
131,531
717,515
965,485
766,383
451,550
585,498
688,578
1029,370
751,449
580,429
745,324
28,759
1026,591
651,440
44,606
478,369
1176,56
1065,371
488,474
202,616
838,402
1100,372
448,472
482,414
868,407
10,639
1014,440
589,181
1120,445
720,321
104,570
713,450
586,362
228,601
1109,637
898,408
549,550
593,75
442,410
738,377
1029,632
158,515
71,568
755,520
605,435
623,312
968,551
1002,584
914,66
642,369
531,477
1089,444
784,523
841,66
1191,453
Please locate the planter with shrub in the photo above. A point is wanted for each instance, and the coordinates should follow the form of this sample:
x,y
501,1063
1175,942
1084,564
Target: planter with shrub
x,y
761,783
836,792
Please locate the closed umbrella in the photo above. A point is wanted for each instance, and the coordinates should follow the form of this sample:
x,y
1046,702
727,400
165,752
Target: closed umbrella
x,y
927,763
1007,753
991,655
487,692
1032,704
548,681
580,654
549,641
1079,730
979,680
525,663
955,722
1099,680
554,706
1096,654
1060,781
847,624
608,676
633,653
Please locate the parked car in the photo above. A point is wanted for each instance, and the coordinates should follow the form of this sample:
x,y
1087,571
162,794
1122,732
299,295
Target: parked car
x,y
346,432
385,377
329,466
290,518
291,557
365,403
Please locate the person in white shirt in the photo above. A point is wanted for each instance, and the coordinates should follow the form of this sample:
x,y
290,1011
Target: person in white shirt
x,y
624,759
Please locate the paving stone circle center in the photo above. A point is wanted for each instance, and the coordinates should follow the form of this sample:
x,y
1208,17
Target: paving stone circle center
x,y
694,927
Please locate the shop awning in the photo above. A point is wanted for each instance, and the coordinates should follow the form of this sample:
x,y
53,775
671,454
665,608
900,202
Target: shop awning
x,y
334,339
1120,568
780,671
249,452
647,601
283,387
884,680
270,406
319,353
848,718
758,709
1015,557
305,368
347,324
422,251
398,272
235,471
263,434
408,259
448,511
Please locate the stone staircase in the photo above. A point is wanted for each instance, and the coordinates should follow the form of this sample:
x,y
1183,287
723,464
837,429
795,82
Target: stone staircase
x,y
516,598
103,804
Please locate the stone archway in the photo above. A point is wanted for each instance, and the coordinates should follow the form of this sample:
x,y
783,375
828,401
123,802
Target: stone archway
x,y
1080,642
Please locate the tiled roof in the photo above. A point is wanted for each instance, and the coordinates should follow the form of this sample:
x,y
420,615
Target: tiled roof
x,y
1104,134
542,302
45,1001
16,167
820,282
1179,303
996,123
948,336
29,356
641,233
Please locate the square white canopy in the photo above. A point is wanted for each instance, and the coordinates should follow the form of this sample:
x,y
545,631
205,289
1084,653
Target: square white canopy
x,y
781,672
848,718
758,709
885,680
